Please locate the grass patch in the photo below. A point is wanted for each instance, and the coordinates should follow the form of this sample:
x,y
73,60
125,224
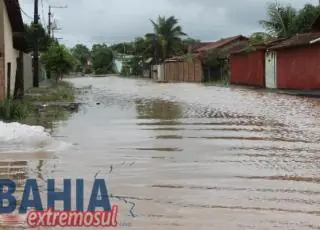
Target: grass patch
x,y
61,92
29,110
14,110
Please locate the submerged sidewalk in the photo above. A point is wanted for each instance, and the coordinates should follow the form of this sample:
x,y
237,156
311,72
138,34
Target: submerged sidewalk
x,y
293,92
304,93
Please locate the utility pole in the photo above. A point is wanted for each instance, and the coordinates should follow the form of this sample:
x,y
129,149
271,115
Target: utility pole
x,y
36,46
53,26
49,21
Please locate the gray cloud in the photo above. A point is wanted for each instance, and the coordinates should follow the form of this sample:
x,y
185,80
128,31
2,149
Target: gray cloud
x,y
112,21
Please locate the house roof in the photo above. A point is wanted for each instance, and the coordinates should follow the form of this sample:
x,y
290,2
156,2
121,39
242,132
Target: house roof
x,y
196,46
220,43
260,46
297,40
15,17
250,48
14,13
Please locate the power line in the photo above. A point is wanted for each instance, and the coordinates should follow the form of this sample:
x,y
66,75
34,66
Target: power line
x,y
53,26
22,11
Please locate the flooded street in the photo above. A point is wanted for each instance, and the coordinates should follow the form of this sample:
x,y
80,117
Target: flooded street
x,y
188,156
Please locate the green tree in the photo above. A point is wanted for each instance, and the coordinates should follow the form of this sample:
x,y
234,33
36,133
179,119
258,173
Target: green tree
x,y
102,59
81,53
143,47
305,18
285,21
123,48
280,22
168,34
58,60
259,38
32,31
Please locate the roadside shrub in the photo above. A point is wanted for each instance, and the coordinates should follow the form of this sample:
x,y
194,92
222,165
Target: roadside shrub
x,y
13,110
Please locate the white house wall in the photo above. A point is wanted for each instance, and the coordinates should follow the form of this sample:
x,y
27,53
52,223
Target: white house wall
x,y
10,54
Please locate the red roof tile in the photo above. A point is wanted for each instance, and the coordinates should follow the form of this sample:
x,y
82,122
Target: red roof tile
x,y
199,45
220,43
297,40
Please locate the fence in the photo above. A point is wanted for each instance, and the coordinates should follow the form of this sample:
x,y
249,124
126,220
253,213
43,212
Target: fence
x,y
183,71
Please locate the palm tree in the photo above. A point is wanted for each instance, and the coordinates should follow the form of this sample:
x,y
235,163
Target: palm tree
x,y
167,35
280,21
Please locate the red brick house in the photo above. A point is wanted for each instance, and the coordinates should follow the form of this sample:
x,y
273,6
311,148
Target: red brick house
x,y
297,62
248,64
286,63
247,67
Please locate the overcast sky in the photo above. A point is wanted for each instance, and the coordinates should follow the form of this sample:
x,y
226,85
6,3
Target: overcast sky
x,y
111,21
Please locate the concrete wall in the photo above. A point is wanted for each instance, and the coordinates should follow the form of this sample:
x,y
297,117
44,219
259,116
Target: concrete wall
x,y
10,54
27,71
160,69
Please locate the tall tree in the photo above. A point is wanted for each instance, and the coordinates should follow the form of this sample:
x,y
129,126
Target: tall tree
x,y
81,53
123,47
168,34
305,18
285,21
102,59
58,60
32,31
280,20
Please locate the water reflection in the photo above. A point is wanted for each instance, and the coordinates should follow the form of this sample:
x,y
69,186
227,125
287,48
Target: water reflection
x,y
158,109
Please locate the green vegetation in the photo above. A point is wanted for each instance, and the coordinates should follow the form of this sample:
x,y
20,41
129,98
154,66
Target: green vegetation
x,y
30,110
167,34
100,55
82,54
31,31
286,21
64,91
13,110
102,59
58,60
165,41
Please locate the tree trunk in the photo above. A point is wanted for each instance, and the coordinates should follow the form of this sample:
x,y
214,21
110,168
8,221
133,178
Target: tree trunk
x,y
19,84
57,78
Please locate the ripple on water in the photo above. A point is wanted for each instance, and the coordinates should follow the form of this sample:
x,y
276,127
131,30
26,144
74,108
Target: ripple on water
x,y
191,156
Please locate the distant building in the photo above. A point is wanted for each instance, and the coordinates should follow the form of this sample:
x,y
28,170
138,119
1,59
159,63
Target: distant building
x,y
191,68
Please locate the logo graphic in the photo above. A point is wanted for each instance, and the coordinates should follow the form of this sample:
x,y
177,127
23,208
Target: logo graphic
x,y
97,213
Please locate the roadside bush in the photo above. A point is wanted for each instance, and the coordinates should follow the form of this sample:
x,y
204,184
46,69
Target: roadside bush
x,y
13,110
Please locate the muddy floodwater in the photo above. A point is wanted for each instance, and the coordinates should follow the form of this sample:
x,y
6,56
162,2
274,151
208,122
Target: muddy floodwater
x,y
189,156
